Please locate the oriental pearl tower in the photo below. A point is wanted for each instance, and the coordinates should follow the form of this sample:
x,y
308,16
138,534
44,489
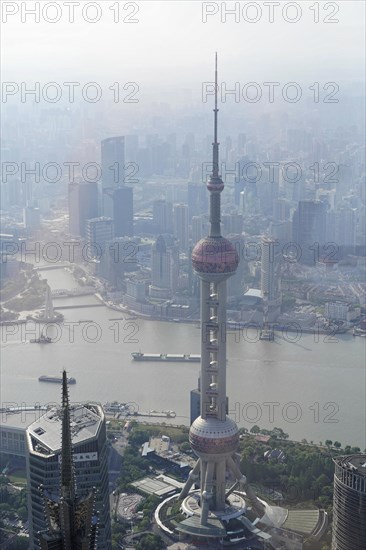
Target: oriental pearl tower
x,y
213,436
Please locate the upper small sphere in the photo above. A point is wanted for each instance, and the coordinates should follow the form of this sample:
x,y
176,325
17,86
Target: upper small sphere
x,y
214,255
215,184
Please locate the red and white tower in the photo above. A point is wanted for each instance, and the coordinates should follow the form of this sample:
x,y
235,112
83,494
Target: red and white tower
x,y
214,437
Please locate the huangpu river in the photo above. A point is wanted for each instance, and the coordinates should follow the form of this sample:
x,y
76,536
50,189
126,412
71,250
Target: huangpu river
x,y
312,386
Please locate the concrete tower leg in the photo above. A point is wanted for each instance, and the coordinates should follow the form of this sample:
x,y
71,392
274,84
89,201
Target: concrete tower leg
x,y
193,477
248,490
220,485
207,492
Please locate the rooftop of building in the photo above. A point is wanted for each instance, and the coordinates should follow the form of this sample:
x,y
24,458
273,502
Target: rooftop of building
x,y
19,418
161,486
45,432
355,463
254,292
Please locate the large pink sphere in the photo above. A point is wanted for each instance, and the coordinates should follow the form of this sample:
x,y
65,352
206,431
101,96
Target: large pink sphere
x,y
211,436
215,255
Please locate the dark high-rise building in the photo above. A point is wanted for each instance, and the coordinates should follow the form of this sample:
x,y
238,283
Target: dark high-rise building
x,y
67,475
83,205
349,503
308,230
71,522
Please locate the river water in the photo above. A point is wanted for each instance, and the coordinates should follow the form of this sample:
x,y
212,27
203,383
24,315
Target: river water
x,y
312,386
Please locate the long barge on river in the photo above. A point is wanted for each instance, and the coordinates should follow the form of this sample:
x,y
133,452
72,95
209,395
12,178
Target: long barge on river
x,y
166,357
56,379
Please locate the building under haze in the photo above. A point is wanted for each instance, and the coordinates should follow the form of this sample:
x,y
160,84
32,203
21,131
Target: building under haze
x,y
271,277
49,445
163,216
164,268
349,503
122,201
309,230
113,171
181,229
99,231
83,205
117,198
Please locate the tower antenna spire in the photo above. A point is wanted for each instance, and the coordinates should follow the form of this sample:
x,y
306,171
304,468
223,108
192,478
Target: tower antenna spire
x,y
215,184
67,467
215,148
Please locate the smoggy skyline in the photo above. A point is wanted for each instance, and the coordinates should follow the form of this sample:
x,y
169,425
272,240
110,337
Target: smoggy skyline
x,y
169,44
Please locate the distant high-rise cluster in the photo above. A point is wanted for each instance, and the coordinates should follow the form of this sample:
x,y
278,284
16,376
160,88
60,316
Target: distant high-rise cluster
x,y
110,198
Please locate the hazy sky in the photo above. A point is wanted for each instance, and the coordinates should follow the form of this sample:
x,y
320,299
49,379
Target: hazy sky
x,y
170,45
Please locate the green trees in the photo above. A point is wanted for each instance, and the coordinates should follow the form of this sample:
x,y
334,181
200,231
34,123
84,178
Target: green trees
x,y
255,429
150,542
306,476
133,467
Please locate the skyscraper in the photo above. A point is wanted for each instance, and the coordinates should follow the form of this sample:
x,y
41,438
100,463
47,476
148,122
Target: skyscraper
x,y
349,503
271,276
71,522
180,218
122,199
113,174
117,198
163,215
83,205
214,437
196,199
164,268
61,500
308,230
99,231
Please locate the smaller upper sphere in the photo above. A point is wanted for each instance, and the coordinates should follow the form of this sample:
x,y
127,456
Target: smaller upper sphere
x,y
215,184
215,255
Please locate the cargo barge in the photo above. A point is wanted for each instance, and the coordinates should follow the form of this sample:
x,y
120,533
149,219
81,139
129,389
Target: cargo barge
x,y
56,379
166,357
